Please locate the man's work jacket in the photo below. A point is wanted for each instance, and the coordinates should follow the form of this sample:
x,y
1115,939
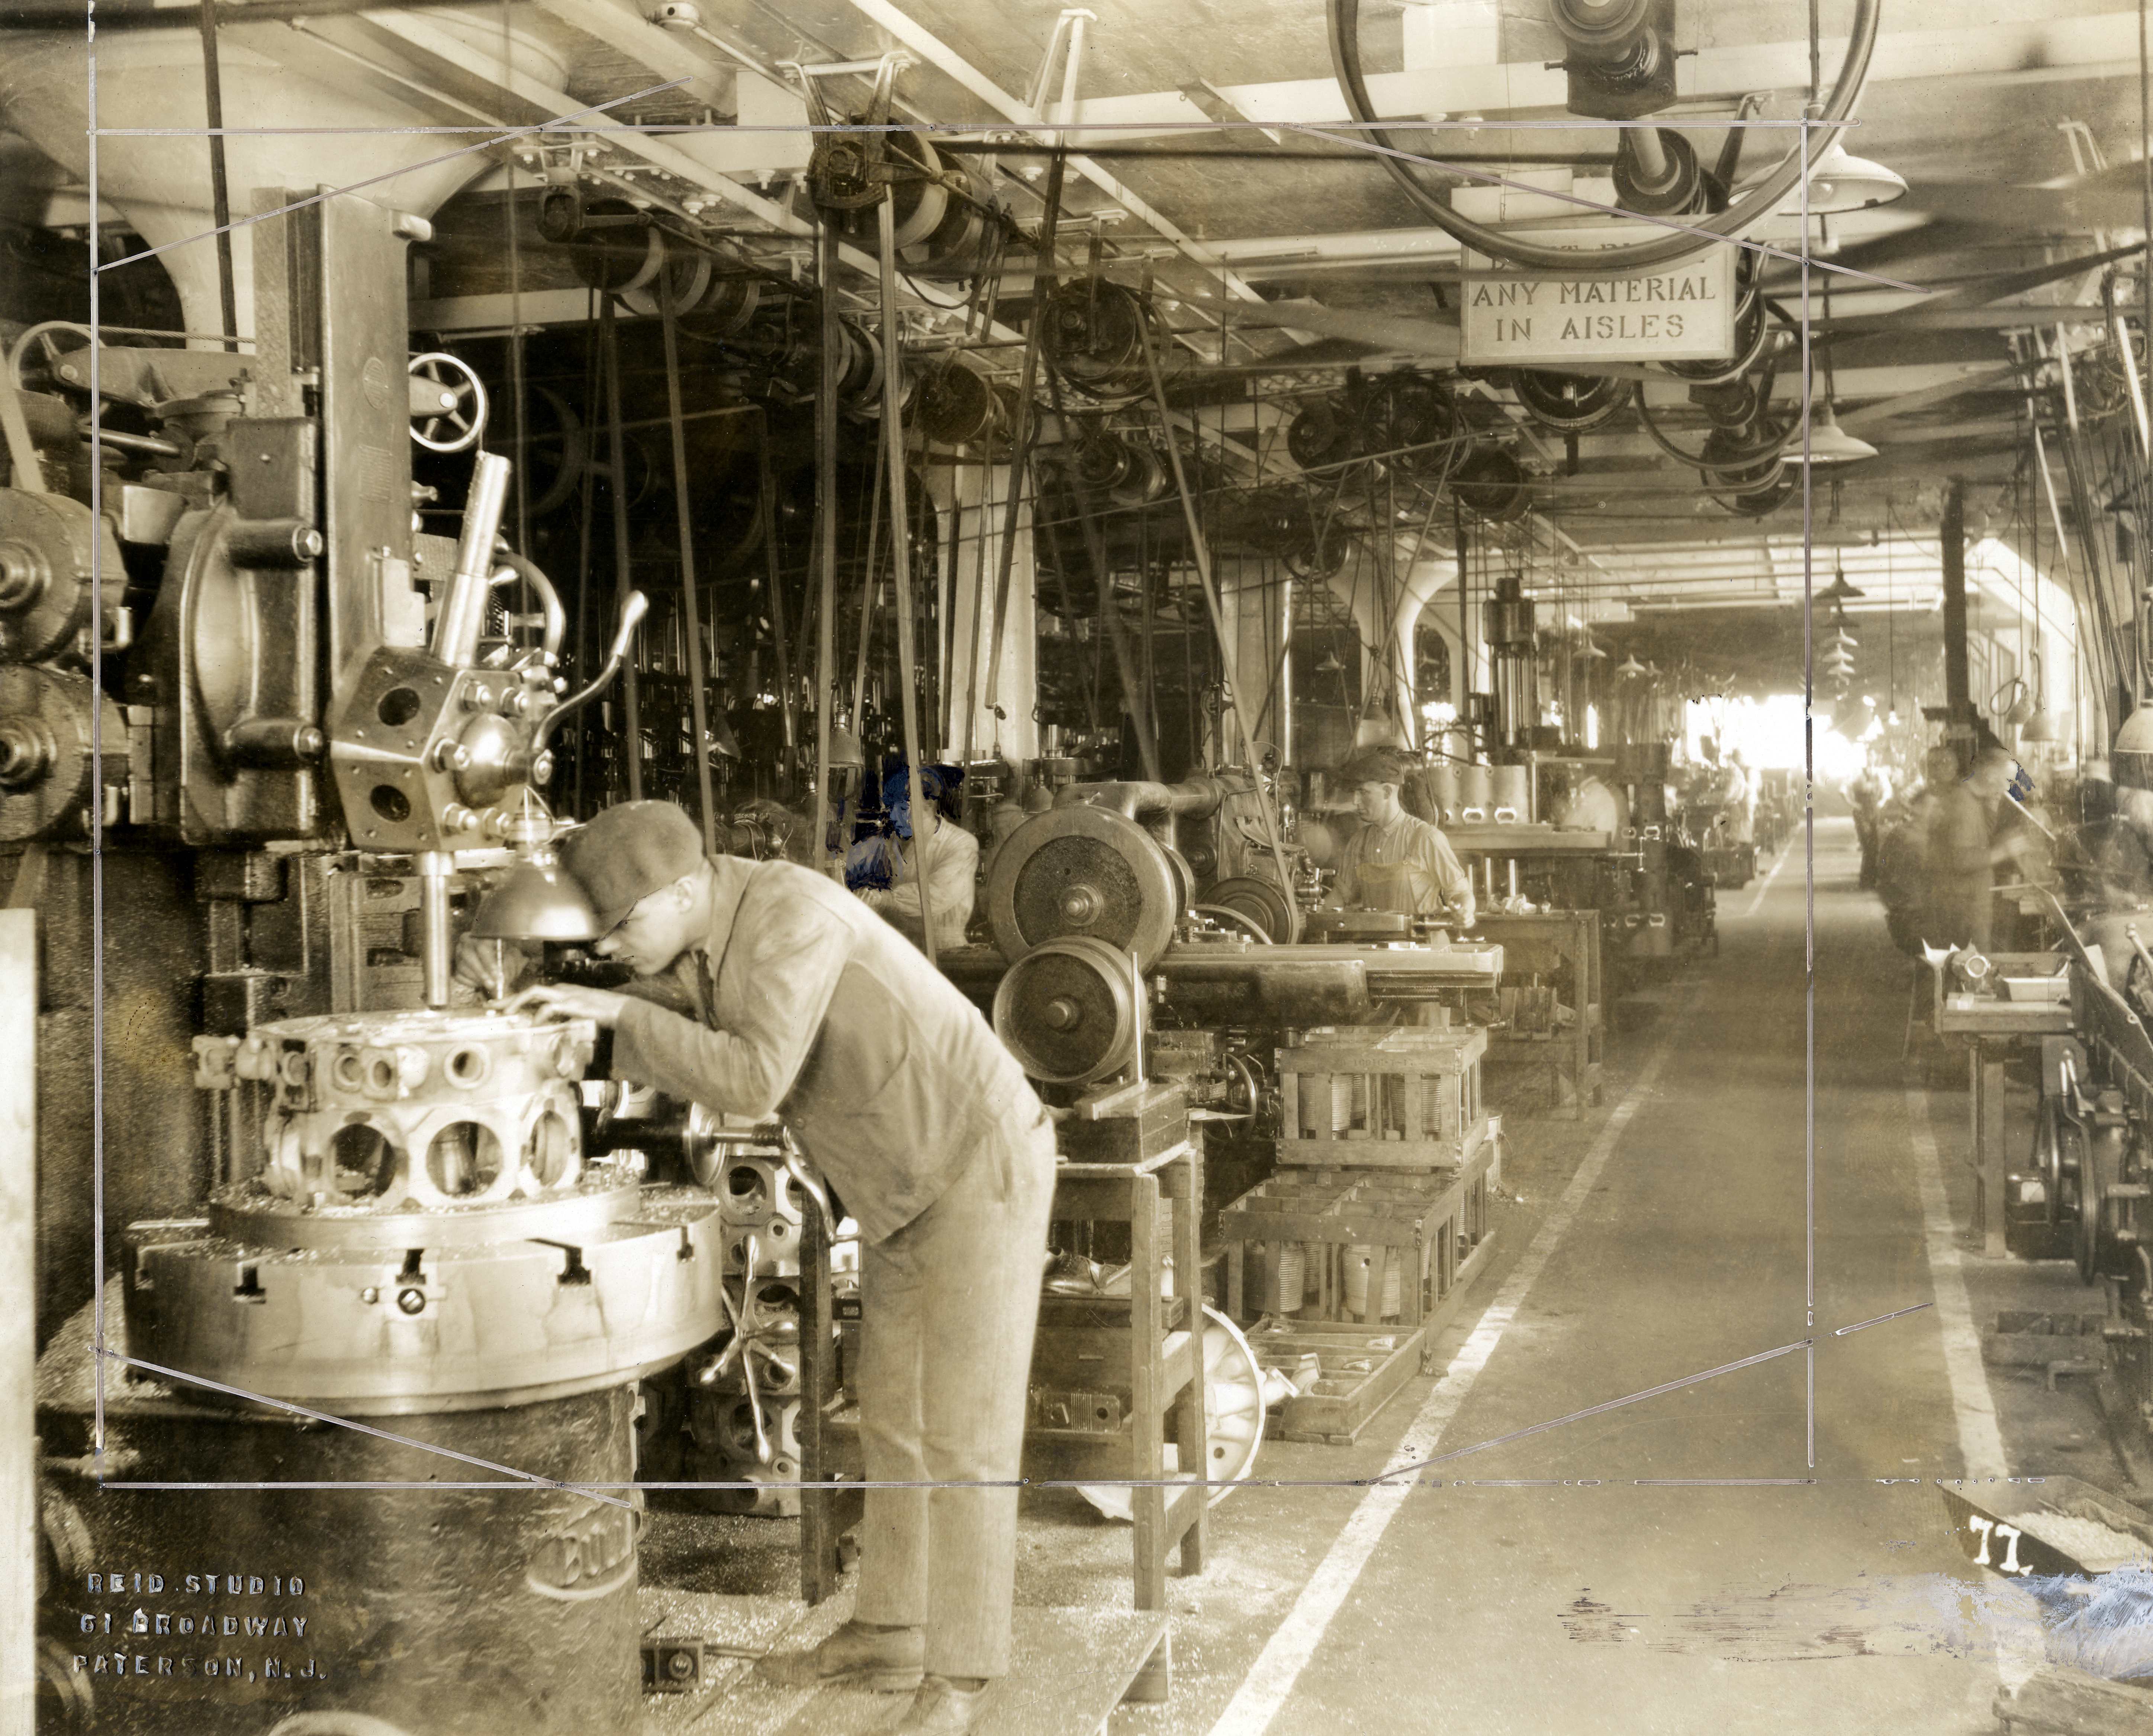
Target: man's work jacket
x,y
810,1007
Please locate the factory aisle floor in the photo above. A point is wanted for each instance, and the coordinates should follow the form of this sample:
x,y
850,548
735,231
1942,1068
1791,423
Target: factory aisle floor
x,y
1673,1565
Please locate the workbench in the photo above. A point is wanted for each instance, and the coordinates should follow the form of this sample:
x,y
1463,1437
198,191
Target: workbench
x,y
1994,1027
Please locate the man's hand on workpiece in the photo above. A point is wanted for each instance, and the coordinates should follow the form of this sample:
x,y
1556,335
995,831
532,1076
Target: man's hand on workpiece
x,y
569,1001
492,967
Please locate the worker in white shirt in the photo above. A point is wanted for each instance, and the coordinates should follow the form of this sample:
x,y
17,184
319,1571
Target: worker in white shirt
x,y
884,870
1393,860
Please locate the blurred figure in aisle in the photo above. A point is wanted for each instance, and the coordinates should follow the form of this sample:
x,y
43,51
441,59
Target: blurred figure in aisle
x,y
1866,796
884,871
1902,851
1738,798
1392,861
1966,843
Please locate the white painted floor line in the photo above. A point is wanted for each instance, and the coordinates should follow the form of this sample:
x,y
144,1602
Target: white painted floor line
x,y
1786,850
1980,1441
1270,1681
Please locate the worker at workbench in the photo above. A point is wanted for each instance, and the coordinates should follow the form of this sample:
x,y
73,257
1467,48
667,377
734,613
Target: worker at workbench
x,y
808,1006
885,873
1964,848
1393,860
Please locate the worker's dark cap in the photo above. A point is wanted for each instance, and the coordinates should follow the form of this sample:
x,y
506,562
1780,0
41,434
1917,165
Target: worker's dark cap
x,y
1375,766
935,782
628,853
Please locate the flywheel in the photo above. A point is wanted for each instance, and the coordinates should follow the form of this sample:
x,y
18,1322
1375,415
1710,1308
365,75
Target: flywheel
x,y
1067,1011
1082,870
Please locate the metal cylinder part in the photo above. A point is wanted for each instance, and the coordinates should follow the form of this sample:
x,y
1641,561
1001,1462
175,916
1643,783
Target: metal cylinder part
x,y
1442,792
462,614
1512,793
437,956
272,542
1476,793
426,1234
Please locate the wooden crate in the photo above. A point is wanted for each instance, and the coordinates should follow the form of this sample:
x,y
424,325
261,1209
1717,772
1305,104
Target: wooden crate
x,y
1435,1225
1363,1366
1431,1221
1383,1096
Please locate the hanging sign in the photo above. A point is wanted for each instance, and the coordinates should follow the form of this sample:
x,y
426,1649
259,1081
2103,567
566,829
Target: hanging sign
x,y
1682,313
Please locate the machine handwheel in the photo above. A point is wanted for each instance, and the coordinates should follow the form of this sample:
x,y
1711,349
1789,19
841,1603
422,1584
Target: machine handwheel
x,y
40,347
448,402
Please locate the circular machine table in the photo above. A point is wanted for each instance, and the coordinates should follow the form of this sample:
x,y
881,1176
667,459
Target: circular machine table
x,y
1082,870
1234,1416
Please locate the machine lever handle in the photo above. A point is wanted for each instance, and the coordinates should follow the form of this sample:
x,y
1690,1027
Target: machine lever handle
x,y
631,617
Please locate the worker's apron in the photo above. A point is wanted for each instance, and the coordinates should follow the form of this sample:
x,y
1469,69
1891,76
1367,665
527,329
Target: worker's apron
x,y
1390,886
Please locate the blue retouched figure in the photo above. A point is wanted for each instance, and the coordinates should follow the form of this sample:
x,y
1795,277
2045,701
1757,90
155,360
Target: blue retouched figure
x,y
874,863
879,869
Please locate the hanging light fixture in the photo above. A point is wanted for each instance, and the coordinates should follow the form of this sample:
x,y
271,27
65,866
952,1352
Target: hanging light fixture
x,y
1839,593
1840,182
1630,666
1828,442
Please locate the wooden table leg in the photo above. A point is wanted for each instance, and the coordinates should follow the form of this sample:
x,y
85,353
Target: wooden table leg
x,y
1988,1105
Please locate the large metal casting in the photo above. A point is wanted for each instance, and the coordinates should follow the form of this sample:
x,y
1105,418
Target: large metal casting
x,y
425,1232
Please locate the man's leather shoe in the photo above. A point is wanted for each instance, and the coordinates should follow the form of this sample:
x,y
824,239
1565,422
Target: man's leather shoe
x,y
886,1660
941,1708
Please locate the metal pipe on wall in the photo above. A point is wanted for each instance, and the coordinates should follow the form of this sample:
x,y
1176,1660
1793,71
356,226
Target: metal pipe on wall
x,y
630,696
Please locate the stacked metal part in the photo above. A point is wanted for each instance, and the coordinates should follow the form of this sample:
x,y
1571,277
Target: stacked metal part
x,y
743,1389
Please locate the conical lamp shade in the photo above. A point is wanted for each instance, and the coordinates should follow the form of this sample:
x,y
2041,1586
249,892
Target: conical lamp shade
x,y
1839,182
2043,728
536,901
1829,443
